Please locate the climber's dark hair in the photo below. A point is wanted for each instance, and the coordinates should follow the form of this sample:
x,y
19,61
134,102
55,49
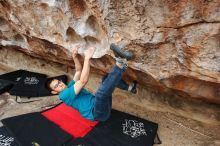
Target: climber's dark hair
x,y
48,84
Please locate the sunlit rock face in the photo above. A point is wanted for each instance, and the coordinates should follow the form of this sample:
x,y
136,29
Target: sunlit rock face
x,y
176,42
62,23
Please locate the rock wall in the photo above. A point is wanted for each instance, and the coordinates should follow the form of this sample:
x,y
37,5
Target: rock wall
x,y
176,42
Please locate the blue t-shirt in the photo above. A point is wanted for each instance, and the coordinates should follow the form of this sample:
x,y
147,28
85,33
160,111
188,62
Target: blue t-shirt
x,y
83,102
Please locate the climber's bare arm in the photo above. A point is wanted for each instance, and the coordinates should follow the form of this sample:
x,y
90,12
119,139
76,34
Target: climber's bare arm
x,y
84,77
78,66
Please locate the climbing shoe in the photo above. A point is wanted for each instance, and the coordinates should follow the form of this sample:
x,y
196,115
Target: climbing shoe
x,y
120,53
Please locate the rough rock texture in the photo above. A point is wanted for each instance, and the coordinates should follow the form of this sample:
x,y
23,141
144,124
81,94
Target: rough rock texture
x,y
176,42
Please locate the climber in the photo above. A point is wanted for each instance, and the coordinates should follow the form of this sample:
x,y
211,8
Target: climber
x,y
93,106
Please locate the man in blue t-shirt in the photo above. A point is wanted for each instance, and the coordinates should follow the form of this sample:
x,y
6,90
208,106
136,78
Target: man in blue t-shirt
x,y
93,106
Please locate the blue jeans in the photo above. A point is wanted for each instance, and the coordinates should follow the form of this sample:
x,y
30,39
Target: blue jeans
x,y
103,101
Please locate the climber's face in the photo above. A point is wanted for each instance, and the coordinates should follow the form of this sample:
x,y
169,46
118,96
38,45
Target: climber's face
x,y
57,86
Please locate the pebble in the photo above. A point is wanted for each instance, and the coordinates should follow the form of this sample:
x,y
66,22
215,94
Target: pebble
x,y
11,101
2,102
1,113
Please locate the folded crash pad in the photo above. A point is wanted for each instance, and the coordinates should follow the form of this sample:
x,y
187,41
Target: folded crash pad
x,y
5,85
30,84
13,76
69,120
34,129
8,80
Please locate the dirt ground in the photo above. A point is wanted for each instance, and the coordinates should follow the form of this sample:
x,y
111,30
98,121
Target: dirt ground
x,y
173,130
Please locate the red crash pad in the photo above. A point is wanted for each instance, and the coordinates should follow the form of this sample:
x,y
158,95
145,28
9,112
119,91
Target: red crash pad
x,y
69,120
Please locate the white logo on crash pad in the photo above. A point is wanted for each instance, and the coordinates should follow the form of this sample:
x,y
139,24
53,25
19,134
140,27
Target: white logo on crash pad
x,y
31,80
133,128
6,141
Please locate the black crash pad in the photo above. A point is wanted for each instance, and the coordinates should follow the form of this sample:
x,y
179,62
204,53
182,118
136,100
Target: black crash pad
x,y
6,138
13,76
34,129
78,142
34,84
8,80
29,84
5,85
120,129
